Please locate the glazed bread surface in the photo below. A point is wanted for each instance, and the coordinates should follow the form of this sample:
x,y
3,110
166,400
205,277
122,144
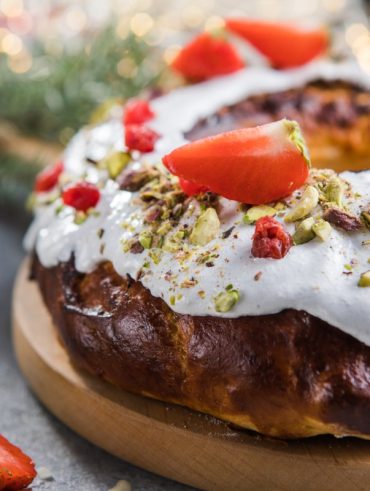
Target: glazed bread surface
x,y
285,375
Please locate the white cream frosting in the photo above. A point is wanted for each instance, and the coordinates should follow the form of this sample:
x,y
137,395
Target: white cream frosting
x,y
312,277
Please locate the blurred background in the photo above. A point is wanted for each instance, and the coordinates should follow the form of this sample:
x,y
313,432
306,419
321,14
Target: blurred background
x,y
60,59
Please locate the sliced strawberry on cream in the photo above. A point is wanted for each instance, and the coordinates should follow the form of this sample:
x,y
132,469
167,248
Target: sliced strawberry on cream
x,y
251,165
17,470
285,45
207,56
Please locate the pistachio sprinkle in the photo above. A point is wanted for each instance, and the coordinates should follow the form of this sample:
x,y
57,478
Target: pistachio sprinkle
x,y
206,227
307,203
115,163
322,229
364,280
226,300
256,212
304,231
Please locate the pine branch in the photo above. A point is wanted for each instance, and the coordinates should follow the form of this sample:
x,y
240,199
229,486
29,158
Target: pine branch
x,y
55,98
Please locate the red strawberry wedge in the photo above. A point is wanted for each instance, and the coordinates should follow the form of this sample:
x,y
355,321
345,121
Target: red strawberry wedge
x,y
284,45
17,470
207,56
250,165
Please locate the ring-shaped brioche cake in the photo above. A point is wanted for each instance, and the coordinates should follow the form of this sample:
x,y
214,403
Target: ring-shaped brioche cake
x,y
137,303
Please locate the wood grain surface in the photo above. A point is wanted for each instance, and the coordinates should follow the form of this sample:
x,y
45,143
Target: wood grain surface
x,y
170,440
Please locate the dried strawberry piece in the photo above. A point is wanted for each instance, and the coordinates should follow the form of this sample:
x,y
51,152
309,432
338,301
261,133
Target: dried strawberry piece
x,y
270,239
17,470
137,111
191,188
140,137
207,56
81,196
48,178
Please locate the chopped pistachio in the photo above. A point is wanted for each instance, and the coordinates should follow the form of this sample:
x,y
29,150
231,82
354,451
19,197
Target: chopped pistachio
x,y
172,299
179,235
304,232
334,191
155,256
202,293
171,244
364,280
256,212
115,163
59,209
279,206
368,260
206,227
80,217
164,228
226,300
307,203
365,215
322,229
145,239
348,267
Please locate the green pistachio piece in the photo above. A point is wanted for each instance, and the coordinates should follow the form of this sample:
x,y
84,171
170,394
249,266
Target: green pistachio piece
x,y
322,229
206,227
115,163
171,244
334,191
364,280
365,215
155,256
307,203
80,217
304,232
256,212
164,228
145,240
226,300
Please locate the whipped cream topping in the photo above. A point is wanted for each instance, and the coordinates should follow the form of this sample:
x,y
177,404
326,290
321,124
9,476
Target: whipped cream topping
x,y
312,277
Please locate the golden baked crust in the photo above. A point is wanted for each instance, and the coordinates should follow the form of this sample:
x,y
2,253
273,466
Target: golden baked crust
x,y
288,375
334,117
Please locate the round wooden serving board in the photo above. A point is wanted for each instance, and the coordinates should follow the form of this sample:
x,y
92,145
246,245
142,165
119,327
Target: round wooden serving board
x,y
170,440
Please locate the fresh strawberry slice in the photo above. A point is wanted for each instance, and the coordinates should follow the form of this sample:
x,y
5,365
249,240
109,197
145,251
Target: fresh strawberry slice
x,y
140,137
190,188
270,239
17,470
48,178
207,56
137,111
81,196
250,165
284,45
